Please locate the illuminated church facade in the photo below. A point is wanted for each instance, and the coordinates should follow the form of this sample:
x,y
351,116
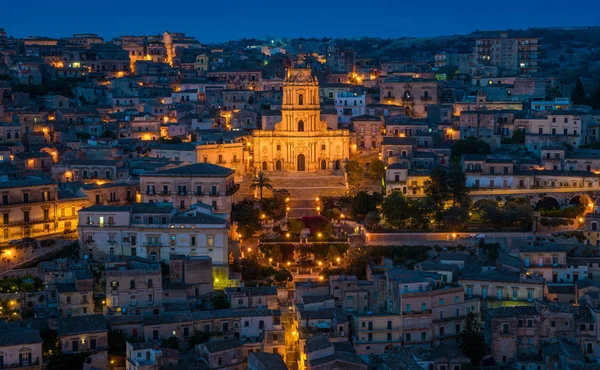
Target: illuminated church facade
x,y
301,141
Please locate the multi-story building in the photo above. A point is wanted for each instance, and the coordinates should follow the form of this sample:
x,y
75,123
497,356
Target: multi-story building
x,y
253,297
349,105
518,55
553,129
31,207
414,94
90,170
512,332
184,186
154,231
76,298
550,261
20,347
431,312
372,333
83,334
499,288
367,130
143,356
133,287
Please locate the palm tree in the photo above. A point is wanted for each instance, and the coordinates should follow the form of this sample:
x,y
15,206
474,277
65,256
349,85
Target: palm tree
x,y
261,181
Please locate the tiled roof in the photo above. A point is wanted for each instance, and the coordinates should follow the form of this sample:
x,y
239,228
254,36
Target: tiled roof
x,y
253,291
13,335
338,359
271,361
513,311
221,345
197,169
82,324
317,343
199,218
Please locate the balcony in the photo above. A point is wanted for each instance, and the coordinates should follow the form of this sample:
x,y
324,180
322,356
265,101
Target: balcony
x,y
23,365
421,312
380,330
426,98
390,99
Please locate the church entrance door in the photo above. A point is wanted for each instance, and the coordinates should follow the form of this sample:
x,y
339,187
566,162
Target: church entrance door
x,y
301,162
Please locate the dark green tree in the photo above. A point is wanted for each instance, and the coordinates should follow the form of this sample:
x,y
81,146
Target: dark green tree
x,y
578,96
282,275
436,189
376,169
247,219
363,203
171,342
354,171
470,145
396,209
109,133
518,136
595,99
471,339
219,301
457,184
198,337
372,219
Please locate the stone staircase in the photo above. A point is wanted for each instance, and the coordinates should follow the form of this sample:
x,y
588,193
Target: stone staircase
x,y
302,208
309,185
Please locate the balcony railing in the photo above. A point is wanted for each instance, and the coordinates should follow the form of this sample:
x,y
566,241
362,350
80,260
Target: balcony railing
x,y
377,330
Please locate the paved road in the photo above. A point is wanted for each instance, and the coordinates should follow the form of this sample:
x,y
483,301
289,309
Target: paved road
x,y
441,238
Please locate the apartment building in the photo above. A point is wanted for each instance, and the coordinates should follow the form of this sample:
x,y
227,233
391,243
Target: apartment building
x,y
372,333
185,186
367,130
133,287
431,311
349,105
517,55
512,332
83,334
20,347
31,206
259,297
76,298
550,261
498,288
154,231
414,94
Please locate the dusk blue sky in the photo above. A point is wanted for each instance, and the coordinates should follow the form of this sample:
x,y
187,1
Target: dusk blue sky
x,y
221,20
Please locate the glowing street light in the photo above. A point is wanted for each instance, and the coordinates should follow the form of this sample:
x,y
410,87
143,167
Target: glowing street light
x,y
338,259
319,235
249,249
287,235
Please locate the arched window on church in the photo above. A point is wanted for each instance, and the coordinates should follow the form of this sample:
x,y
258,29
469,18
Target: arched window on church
x,y
264,166
300,125
300,99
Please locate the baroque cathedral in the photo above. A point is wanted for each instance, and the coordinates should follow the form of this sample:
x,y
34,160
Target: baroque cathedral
x,y
301,141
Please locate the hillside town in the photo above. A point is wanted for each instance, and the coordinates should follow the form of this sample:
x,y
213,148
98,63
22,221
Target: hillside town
x,y
305,204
